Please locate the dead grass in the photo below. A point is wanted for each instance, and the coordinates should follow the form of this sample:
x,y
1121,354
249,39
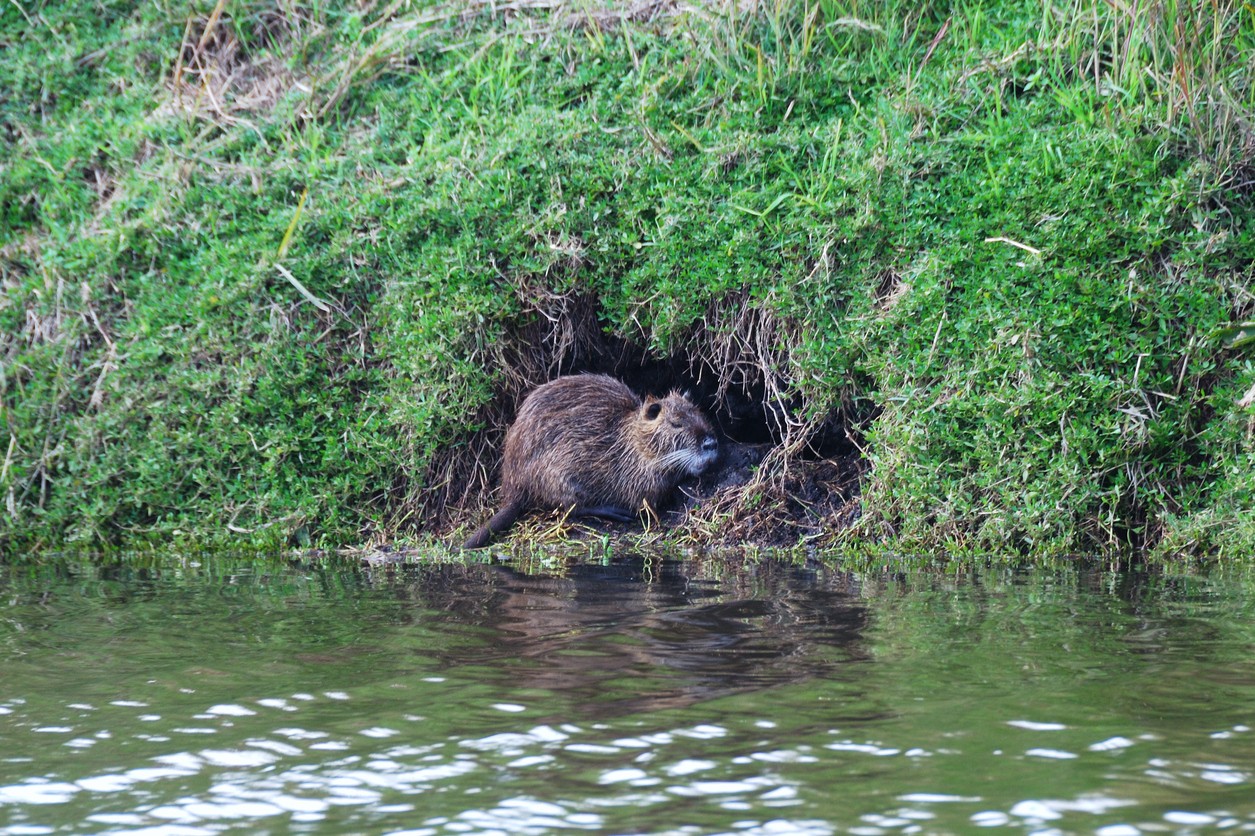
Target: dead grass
x,y
599,15
217,81
1192,59
786,502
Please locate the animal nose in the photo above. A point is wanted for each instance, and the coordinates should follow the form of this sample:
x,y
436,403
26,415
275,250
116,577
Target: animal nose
x,y
709,445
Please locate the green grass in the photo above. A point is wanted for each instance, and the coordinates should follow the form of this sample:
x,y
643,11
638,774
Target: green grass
x,y
1004,230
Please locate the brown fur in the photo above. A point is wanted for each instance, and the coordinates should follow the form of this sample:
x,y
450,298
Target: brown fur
x,y
588,443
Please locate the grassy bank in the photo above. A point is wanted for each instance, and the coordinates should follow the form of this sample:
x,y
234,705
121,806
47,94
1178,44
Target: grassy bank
x,y
279,272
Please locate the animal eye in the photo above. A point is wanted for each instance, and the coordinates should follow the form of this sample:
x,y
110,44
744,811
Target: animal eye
x,y
675,424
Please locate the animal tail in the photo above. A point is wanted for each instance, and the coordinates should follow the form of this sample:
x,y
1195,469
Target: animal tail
x,y
499,522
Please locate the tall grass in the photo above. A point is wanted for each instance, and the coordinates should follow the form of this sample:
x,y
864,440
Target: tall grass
x,y
1188,65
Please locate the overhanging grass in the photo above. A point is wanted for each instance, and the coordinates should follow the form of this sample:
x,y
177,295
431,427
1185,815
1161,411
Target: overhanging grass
x,y
1008,228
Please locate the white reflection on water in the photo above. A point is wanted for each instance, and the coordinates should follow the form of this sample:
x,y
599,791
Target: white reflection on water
x,y
688,766
620,776
1036,812
863,748
1053,754
280,704
938,798
1221,774
284,773
798,755
1118,830
1228,733
1033,725
522,815
379,732
226,710
38,791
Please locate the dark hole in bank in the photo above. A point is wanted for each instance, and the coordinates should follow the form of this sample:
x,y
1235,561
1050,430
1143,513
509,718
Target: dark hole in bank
x,y
811,492
742,412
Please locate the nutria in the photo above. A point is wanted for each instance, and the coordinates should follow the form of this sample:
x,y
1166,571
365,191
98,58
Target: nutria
x,y
587,443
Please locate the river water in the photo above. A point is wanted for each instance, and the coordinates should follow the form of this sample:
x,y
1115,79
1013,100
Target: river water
x,y
210,695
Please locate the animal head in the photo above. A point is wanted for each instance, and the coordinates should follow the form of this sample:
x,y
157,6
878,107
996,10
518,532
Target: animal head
x,y
678,433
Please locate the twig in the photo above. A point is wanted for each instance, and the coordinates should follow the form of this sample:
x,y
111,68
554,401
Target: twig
x,y
304,291
945,27
1024,247
8,459
936,336
209,27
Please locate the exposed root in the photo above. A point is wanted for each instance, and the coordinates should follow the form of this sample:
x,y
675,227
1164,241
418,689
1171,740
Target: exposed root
x,y
809,476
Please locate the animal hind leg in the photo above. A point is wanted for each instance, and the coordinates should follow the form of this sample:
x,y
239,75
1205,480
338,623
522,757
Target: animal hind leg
x,y
617,513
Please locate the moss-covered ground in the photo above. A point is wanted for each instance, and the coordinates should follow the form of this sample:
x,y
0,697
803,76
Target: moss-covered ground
x,y
278,272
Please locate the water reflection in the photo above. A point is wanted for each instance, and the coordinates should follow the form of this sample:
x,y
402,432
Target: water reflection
x,y
640,635
634,696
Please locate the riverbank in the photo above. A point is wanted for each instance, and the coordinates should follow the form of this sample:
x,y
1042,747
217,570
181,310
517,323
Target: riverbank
x,y
280,274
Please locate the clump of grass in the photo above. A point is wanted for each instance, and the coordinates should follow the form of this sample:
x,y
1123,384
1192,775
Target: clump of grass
x,y
1187,66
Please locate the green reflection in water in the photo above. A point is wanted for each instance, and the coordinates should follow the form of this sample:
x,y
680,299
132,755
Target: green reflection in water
x,y
634,696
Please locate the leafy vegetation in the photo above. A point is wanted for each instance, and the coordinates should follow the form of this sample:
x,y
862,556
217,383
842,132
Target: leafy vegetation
x,y
278,272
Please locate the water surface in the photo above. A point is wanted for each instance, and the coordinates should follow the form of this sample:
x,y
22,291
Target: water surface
x,y
191,697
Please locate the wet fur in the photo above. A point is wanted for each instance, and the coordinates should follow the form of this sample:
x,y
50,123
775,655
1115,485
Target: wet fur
x,y
588,443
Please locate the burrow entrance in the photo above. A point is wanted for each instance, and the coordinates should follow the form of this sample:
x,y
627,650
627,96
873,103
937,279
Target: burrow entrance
x,y
780,479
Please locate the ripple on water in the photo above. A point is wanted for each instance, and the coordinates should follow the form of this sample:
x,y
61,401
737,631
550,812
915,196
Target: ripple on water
x,y
1051,754
494,748
524,815
38,791
226,710
1033,725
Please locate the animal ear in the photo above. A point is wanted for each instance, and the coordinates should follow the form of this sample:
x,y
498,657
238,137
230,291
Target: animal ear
x,y
652,410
